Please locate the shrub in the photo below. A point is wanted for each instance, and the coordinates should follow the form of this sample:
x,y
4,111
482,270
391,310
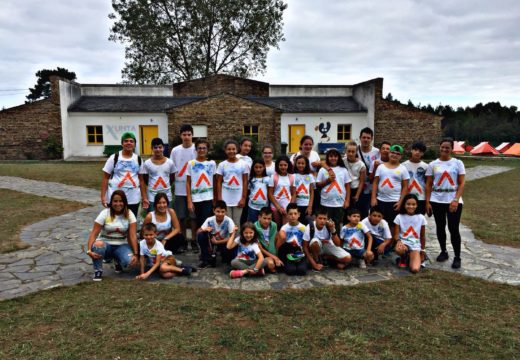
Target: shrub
x,y
52,148
217,149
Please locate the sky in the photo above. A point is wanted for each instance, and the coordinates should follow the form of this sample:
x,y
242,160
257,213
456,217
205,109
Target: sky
x,y
451,52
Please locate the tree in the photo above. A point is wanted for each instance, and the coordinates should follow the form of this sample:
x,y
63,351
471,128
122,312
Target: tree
x,y
172,40
42,89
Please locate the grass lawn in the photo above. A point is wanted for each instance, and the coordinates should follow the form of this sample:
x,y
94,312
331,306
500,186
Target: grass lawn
x,y
433,315
19,209
87,174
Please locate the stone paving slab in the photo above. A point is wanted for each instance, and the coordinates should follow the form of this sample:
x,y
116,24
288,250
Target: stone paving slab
x,y
56,256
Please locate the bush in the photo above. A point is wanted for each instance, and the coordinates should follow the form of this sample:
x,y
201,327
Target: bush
x,y
111,149
217,149
52,148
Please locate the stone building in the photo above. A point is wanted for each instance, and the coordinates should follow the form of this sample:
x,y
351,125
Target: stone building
x,y
84,118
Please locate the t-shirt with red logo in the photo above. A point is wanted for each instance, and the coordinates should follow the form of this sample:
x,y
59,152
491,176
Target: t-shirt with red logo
x,y
390,182
353,237
282,188
125,177
303,184
333,194
180,157
232,183
410,229
201,175
445,179
258,197
158,178
417,183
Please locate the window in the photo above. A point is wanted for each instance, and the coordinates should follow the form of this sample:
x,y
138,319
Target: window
x,y
200,132
344,132
95,135
251,131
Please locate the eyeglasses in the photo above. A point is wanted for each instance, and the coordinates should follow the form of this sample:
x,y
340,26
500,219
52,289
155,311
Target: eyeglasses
x,y
202,148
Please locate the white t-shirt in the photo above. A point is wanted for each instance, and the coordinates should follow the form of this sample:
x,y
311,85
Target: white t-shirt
x,y
114,231
333,194
313,157
410,228
417,183
322,234
294,234
353,170
270,169
246,252
163,228
201,175
353,237
125,177
220,231
158,178
445,179
369,158
282,190
232,181
180,157
303,184
381,230
156,250
247,160
258,197
390,182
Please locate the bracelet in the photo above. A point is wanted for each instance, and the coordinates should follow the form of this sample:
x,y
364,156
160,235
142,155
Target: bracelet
x,y
89,251
455,200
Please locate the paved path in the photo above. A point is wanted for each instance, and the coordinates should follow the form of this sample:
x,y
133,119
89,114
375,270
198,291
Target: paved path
x,y
56,255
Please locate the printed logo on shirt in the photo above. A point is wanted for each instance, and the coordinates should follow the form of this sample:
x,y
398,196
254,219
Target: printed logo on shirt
x,y
332,185
445,176
388,183
409,231
355,241
128,176
233,180
283,194
302,189
415,185
258,194
161,182
204,178
183,170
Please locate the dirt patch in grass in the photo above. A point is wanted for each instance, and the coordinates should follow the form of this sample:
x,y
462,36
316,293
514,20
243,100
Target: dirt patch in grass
x,y
19,209
431,315
87,174
492,208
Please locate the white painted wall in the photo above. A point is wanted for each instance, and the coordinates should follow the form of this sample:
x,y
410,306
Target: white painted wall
x,y
312,122
126,90
114,125
69,93
310,90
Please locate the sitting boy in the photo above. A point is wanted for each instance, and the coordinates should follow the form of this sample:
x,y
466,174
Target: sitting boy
x,y
267,230
214,234
290,241
380,231
353,236
320,238
151,251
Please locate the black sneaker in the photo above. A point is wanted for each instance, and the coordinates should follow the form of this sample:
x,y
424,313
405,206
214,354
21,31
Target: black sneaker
x,y
203,265
443,256
118,269
98,275
194,247
456,263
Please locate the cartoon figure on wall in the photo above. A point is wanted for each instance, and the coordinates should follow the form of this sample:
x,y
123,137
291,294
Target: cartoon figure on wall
x,y
324,128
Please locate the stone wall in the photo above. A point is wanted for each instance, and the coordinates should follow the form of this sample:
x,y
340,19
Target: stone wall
x,y
24,129
225,115
217,84
401,124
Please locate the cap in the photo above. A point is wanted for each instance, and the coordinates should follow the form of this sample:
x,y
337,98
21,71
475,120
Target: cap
x,y
127,135
397,148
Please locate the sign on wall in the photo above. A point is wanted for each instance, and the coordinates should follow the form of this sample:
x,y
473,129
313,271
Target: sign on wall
x,y
115,131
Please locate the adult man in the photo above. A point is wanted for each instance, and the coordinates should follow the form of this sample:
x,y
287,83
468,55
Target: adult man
x,y
368,154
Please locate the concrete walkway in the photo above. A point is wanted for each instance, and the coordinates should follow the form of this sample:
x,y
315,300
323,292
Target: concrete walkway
x,y
56,256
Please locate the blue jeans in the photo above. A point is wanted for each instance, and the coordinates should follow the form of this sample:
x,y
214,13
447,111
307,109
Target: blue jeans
x,y
121,253
252,215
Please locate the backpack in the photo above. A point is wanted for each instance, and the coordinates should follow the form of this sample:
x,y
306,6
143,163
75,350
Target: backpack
x,y
276,177
116,158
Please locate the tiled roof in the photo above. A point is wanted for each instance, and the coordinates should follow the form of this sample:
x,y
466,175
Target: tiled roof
x,y
307,104
129,103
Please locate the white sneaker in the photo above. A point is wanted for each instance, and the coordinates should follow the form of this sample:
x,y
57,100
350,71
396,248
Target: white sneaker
x,y
362,264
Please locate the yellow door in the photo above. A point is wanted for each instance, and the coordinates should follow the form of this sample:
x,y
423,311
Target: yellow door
x,y
296,132
148,132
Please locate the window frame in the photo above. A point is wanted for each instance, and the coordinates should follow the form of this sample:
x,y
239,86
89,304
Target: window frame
x,y
338,132
250,134
95,134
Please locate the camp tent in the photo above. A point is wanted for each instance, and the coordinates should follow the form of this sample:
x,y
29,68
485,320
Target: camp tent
x,y
484,149
502,148
458,147
514,150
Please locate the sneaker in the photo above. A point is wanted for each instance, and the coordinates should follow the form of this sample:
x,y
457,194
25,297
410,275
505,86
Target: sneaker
x,y
186,271
203,265
402,263
98,275
425,262
118,269
456,263
194,247
362,264
235,274
443,256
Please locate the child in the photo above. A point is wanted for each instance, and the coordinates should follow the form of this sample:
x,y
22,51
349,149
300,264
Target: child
x,y
249,259
214,234
290,242
335,187
200,178
357,171
170,267
231,181
353,238
267,230
151,251
160,171
380,231
321,238
417,171
245,148
390,185
258,192
409,234
304,183
281,189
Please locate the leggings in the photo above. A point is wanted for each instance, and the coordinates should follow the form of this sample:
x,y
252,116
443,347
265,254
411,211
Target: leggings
x,y
246,264
440,213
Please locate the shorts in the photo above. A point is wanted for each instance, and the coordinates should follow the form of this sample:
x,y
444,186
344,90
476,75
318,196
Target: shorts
x,y
357,253
180,205
412,245
328,248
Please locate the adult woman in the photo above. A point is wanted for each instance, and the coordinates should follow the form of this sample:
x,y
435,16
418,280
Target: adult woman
x,y
267,156
306,145
167,223
114,236
444,188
